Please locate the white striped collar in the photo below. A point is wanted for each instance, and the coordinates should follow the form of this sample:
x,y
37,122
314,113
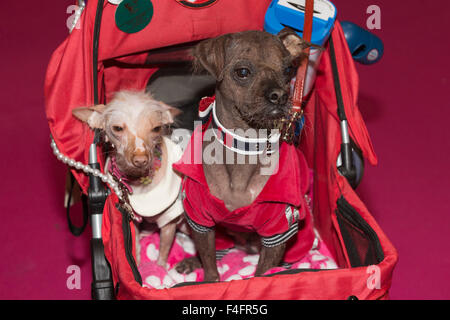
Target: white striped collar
x,y
235,142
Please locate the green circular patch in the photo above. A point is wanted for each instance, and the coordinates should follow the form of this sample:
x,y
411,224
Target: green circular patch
x,y
133,15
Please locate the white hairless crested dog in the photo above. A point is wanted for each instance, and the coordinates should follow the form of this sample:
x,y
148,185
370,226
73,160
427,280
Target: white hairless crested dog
x,y
141,159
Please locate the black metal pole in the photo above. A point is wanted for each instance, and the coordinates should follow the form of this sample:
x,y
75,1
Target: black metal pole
x,y
102,287
347,169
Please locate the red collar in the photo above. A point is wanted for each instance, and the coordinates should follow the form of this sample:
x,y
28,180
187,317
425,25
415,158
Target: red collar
x,y
287,185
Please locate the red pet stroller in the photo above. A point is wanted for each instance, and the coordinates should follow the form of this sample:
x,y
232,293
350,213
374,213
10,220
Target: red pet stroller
x,y
98,59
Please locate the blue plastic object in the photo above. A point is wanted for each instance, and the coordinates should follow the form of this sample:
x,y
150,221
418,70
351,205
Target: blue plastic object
x,y
365,47
291,13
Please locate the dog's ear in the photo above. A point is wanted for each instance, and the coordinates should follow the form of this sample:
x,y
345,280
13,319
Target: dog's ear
x,y
210,55
169,114
93,116
295,44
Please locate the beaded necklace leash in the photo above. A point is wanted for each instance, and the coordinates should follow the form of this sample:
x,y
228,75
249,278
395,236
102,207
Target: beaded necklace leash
x,y
115,184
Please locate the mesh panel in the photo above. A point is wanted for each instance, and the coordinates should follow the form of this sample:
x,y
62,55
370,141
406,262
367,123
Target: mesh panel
x,y
361,242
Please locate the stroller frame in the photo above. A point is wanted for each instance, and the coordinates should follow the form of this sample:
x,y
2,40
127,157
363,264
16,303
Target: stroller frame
x,y
102,287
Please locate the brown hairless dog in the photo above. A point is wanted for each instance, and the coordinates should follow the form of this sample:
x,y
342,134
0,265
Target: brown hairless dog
x,y
253,71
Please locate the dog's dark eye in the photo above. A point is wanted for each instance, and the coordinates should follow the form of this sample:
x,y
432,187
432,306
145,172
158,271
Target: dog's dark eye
x,y
117,128
157,129
242,73
289,71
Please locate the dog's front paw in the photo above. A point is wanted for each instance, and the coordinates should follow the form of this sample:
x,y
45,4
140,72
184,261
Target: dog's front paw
x,y
188,265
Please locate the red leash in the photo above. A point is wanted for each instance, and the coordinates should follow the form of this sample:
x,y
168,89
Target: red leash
x,y
297,97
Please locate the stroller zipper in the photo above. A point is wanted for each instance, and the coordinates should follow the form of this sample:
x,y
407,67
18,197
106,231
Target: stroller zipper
x,y
348,216
126,219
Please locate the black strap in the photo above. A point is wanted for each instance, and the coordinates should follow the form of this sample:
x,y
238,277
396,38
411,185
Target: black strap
x,y
97,23
337,83
347,169
128,244
76,231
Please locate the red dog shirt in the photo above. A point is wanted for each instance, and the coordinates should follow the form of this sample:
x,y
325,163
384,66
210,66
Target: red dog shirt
x,y
278,214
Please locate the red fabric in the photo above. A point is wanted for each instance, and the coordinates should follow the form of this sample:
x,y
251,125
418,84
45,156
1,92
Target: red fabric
x,y
349,82
205,103
320,144
69,84
321,139
330,284
266,215
69,80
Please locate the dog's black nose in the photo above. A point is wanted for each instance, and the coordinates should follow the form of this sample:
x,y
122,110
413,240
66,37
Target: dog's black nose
x,y
277,96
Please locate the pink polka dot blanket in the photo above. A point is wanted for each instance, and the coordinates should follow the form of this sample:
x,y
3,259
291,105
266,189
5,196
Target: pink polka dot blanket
x,y
235,264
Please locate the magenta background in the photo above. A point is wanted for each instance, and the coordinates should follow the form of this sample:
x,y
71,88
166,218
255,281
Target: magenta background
x,y
404,100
